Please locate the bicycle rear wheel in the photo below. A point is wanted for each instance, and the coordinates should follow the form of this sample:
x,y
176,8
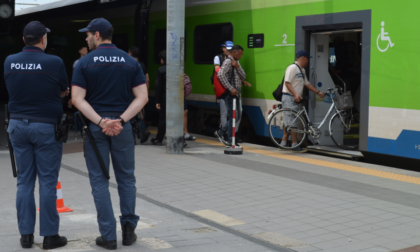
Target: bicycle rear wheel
x,y
292,122
344,130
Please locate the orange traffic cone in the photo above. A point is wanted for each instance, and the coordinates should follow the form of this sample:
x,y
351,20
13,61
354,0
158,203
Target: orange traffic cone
x,y
61,208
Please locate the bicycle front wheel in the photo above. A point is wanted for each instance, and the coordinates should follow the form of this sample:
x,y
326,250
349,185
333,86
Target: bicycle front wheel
x,y
287,120
344,130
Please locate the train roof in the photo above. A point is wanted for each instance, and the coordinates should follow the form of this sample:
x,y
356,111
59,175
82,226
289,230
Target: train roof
x,y
48,6
158,5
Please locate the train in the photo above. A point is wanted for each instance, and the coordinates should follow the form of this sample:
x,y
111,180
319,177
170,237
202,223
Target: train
x,y
365,46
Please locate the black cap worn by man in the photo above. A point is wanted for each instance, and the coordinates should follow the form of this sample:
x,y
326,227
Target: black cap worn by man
x,y
100,25
34,30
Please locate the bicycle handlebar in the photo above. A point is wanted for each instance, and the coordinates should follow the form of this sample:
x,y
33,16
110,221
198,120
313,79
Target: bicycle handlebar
x,y
333,90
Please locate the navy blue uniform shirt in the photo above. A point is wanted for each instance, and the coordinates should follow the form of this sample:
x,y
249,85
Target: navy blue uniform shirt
x,y
34,81
108,74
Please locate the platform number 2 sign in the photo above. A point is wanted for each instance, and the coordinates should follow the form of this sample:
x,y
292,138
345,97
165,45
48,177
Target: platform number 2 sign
x,y
285,37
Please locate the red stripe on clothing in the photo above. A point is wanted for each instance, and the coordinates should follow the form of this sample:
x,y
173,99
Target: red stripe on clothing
x,y
32,72
109,65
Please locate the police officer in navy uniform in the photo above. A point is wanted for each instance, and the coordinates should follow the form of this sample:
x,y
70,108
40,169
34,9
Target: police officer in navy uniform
x,y
35,81
101,86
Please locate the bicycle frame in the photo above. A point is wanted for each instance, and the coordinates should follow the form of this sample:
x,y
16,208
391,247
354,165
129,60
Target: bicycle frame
x,y
320,124
303,111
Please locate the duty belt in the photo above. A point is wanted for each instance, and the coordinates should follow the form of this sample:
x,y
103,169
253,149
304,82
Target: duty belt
x,y
31,120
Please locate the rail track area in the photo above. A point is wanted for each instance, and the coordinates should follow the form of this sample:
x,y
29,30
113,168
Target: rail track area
x,y
263,200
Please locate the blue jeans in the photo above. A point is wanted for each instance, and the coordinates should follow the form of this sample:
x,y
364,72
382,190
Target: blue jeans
x,y
121,148
227,128
37,152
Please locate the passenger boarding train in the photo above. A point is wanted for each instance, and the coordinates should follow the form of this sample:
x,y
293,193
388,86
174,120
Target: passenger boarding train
x,y
371,45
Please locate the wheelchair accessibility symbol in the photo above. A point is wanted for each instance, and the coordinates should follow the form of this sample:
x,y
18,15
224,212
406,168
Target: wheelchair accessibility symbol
x,y
384,37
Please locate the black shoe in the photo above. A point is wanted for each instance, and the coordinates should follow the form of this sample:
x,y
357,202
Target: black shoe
x,y
27,240
145,136
55,241
184,144
219,135
128,235
110,245
156,142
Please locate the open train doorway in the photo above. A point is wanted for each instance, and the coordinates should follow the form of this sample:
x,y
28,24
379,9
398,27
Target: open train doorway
x,y
340,46
336,62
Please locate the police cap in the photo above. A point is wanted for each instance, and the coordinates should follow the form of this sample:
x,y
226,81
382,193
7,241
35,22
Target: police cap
x,y
34,30
100,25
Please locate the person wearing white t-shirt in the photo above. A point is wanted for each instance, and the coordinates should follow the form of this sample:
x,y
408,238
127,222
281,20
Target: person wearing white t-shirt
x,y
294,81
218,60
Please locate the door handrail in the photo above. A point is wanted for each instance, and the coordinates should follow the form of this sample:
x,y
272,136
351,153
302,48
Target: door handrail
x,y
344,83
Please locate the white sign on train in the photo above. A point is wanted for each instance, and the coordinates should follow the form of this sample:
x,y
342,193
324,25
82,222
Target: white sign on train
x,y
384,37
285,41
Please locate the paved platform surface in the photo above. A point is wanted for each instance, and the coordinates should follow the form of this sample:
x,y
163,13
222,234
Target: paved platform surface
x,y
263,200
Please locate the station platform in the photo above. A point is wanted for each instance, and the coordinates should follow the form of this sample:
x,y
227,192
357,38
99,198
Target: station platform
x,y
263,200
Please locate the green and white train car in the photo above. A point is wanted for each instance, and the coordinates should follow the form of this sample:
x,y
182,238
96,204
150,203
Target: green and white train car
x,y
376,41
379,37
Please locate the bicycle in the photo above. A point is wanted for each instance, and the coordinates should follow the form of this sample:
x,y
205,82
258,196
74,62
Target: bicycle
x,y
341,124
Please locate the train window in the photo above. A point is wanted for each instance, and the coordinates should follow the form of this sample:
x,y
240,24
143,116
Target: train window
x,y
256,40
208,39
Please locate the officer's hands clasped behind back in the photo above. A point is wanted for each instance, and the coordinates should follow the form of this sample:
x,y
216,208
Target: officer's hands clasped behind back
x,y
111,127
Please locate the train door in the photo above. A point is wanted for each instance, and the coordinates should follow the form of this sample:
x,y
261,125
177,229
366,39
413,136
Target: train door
x,y
336,62
340,43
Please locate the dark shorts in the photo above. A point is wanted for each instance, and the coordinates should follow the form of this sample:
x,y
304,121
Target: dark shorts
x,y
185,104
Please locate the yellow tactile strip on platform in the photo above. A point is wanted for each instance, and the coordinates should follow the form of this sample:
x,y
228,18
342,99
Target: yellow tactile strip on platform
x,y
351,168
344,167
